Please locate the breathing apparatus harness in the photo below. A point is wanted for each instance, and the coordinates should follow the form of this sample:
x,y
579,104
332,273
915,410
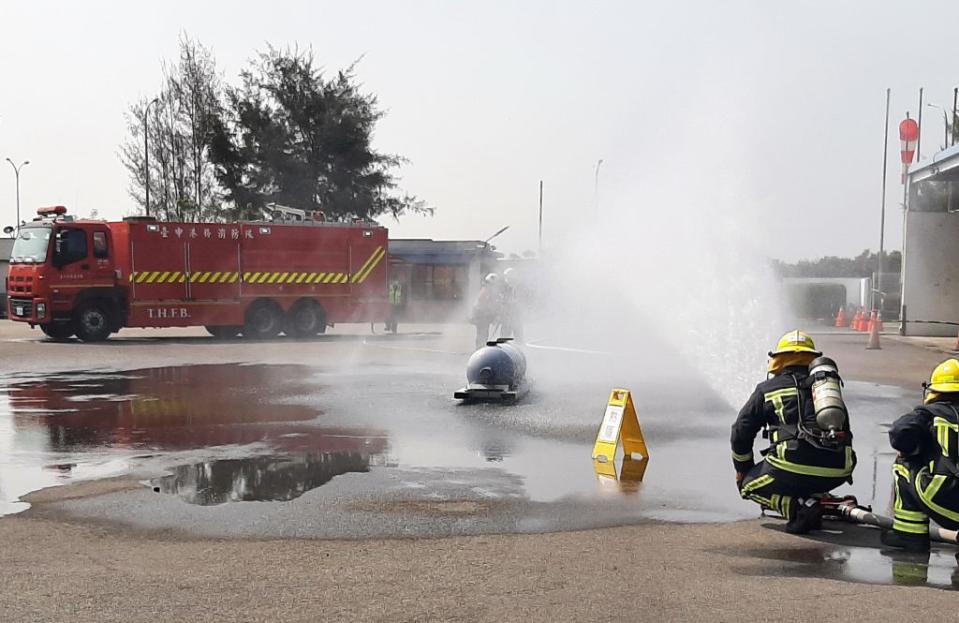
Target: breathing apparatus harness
x,y
831,431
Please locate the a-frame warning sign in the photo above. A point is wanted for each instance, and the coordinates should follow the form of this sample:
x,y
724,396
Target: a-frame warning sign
x,y
620,423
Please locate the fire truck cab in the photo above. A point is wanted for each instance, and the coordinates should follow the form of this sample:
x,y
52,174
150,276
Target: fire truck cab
x,y
91,278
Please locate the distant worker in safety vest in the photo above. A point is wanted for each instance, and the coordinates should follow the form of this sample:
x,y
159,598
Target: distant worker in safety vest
x,y
396,305
808,455
925,472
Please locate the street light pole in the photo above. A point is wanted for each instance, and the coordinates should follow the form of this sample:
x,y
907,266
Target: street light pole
x,y
599,163
877,302
16,173
146,152
945,123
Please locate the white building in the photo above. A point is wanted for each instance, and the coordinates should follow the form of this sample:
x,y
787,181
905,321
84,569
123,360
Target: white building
x,y
930,280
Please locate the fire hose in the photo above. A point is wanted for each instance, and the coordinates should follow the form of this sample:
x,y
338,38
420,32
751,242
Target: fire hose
x,y
849,509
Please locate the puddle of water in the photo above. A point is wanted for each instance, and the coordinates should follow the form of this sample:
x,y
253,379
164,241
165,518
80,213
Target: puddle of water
x,y
174,407
258,479
270,432
868,565
69,427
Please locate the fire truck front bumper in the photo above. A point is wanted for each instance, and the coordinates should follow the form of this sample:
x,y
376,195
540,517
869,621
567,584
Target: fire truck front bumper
x,y
30,310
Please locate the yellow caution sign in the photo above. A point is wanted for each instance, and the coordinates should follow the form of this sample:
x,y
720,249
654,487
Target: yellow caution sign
x,y
631,472
620,423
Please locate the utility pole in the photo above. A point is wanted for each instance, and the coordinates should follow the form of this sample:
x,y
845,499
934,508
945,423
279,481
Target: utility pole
x,y
882,211
919,138
599,163
952,130
16,173
146,151
540,218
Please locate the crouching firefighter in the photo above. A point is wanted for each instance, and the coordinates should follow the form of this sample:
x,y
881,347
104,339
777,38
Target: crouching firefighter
x,y
925,473
800,409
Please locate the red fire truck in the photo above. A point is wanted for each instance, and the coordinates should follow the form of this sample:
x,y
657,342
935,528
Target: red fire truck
x,y
258,279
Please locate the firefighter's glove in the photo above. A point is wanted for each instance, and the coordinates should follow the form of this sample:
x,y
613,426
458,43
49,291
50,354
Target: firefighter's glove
x,y
739,480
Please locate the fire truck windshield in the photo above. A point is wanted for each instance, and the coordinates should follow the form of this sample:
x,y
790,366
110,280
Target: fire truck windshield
x,y
31,245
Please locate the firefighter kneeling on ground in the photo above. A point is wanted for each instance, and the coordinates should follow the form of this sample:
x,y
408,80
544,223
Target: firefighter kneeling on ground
x,y
925,472
802,461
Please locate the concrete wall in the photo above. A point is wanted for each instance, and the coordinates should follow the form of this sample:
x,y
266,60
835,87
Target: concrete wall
x,y
931,273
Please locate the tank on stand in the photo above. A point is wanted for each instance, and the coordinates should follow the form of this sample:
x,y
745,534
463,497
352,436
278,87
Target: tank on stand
x,y
495,373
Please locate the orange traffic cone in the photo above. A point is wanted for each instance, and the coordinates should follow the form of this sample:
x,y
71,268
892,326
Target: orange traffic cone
x,y
841,318
857,320
879,326
873,332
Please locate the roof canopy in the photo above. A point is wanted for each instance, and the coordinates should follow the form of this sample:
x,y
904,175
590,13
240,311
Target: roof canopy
x,y
942,167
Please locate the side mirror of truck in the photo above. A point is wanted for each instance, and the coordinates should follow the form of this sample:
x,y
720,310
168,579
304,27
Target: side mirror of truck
x,y
58,251
9,229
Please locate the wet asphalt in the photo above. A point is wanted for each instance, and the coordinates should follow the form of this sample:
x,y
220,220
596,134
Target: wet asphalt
x,y
358,436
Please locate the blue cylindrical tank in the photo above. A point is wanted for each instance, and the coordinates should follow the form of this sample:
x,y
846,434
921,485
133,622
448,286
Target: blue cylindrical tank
x,y
503,364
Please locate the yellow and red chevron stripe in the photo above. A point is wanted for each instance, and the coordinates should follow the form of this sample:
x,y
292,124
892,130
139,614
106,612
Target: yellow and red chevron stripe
x,y
157,277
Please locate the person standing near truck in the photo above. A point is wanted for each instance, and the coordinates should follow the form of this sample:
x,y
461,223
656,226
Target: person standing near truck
x,y
396,305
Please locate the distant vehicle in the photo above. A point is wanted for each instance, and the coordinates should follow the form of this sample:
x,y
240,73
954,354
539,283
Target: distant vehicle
x,y
258,279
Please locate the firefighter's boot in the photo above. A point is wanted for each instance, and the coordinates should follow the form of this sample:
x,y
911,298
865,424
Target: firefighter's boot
x,y
804,515
905,540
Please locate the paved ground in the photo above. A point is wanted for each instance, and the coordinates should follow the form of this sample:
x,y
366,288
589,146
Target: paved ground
x,y
59,564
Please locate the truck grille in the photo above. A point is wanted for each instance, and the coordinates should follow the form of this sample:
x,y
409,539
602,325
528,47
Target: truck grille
x,y
21,308
21,284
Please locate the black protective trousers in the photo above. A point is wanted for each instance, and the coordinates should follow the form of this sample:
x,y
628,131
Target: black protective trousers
x,y
776,489
922,494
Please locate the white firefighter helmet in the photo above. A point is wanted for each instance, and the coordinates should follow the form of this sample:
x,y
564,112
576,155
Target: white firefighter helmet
x,y
490,278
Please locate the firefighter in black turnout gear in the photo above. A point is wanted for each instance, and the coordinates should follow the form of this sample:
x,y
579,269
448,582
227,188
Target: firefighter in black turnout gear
x,y
925,473
802,460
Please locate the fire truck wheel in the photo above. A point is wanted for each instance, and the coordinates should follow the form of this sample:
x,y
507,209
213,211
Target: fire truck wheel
x,y
58,330
92,323
224,333
264,320
305,319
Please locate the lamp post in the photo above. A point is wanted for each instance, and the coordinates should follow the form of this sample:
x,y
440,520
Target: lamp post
x,y
16,173
599,163
146,152
945,123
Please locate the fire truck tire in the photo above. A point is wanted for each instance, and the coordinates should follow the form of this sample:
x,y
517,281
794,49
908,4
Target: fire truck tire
x,y
305,319
58,330
224,333
92,322
264,320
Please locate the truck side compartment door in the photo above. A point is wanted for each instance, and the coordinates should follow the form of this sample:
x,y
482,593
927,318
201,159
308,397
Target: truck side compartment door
x,y
158,269
214,263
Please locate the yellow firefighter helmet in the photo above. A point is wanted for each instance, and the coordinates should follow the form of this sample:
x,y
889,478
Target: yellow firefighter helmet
x,y
945,378
795,342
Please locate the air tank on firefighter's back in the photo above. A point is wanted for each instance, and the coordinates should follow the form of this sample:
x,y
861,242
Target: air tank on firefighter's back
x,y
827,399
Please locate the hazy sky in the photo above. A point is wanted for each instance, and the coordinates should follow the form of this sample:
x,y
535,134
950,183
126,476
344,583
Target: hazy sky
x,y
773,110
